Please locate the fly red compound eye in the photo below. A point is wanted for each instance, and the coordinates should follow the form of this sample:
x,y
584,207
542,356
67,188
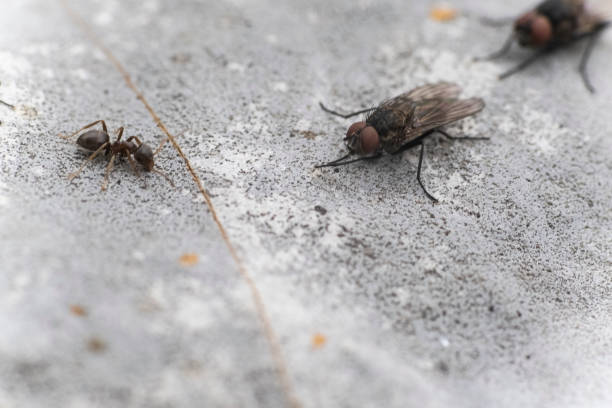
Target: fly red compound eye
x,y
354,128
369,140
541,31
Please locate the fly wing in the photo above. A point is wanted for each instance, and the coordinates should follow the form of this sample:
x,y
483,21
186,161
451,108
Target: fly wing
x,y
434,113
596,16
433,91
405,101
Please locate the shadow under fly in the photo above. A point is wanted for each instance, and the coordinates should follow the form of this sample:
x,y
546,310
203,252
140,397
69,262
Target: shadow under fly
x,y
402,123
551,25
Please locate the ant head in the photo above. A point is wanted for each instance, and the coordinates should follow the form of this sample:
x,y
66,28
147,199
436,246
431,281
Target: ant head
x,y
533,30
144,156
362,139
92,140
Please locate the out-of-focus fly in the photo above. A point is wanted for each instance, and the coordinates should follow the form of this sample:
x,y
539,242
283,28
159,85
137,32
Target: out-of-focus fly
x,y
551,25
403,122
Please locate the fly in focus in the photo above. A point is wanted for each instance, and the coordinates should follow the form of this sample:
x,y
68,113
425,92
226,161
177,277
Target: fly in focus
x,y
403,122
551,25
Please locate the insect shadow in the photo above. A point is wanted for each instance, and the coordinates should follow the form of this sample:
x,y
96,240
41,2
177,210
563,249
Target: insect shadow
x,y
554,24
402,123
98,141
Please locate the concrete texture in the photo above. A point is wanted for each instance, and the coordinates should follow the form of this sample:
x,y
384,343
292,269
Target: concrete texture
x,y
500,295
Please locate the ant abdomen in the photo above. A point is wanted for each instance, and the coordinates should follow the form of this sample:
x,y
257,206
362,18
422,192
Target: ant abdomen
x,y
92,140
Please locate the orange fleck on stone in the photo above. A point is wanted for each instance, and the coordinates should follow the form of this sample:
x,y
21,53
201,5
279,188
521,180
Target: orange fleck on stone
x,y
188,259
443,13
78,310
318,340
96,345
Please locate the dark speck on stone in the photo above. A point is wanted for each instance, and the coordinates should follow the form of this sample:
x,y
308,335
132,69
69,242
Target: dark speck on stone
x,y
320,210
443,367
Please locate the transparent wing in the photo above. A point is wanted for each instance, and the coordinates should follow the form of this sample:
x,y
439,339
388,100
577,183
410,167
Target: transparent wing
x,y
434,113
405,102
444,90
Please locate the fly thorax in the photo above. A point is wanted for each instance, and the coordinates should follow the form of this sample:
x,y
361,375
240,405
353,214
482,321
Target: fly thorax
x,y
362,139
384,121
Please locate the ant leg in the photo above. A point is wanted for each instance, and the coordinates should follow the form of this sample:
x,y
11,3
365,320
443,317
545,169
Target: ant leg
x,y
161,173
443,133
500,53
86,127
8,105
343,115
524,64
129,139
119,133
109,168
71,176
585,60
134,167
432,198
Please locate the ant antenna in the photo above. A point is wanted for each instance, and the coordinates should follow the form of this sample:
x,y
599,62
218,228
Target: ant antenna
x,y
161,173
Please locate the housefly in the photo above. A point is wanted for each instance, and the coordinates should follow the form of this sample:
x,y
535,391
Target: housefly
x,y
403,122
551,25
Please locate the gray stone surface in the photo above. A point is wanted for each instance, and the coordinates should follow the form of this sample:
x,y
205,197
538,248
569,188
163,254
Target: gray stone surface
x,y
500,295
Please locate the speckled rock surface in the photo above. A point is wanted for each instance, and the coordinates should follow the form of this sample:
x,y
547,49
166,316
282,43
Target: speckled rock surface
x,y
500,295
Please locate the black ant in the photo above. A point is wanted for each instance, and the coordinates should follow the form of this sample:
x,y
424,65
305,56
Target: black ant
x,y
98,141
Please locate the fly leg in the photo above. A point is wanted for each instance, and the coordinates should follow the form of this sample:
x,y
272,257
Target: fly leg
x,y
525,63
587,54
500,53
339,162
443,133
344,115
432,198
496,22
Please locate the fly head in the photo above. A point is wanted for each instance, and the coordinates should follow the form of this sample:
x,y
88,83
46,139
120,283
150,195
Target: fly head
x,y
533,30
362,139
